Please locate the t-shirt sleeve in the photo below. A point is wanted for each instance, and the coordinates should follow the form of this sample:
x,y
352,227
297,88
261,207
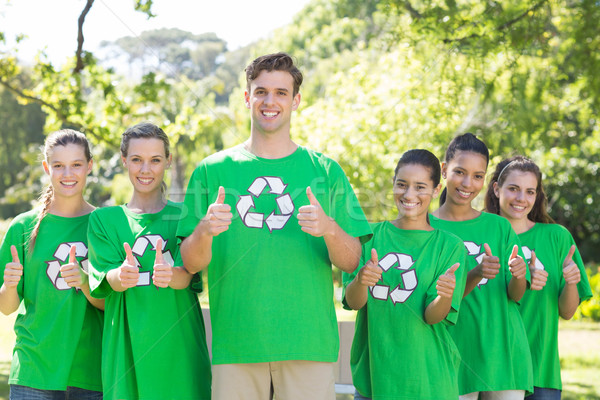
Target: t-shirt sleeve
x,y
452,255
103,256
583,287
345,208
16,236
511,241
347,278
195,203
196,282
459,255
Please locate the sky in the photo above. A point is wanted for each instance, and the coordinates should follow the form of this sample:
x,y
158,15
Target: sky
x,y
52,24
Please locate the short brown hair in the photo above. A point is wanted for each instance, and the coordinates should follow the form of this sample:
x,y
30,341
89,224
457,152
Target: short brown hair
x,y
274,62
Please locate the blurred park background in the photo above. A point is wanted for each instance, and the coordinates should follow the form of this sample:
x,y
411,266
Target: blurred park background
x,y
381,77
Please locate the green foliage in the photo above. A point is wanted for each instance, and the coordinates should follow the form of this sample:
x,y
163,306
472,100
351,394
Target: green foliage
x,y
381,76
591,308
385,76
144,6
173,52
20,133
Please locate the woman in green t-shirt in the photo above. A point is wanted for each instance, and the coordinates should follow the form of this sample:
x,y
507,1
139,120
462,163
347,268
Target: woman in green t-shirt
x,y
43,258
558,278
154,343
489,332
409,288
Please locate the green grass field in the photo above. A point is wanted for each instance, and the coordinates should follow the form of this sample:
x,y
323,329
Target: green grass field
x,y
579,349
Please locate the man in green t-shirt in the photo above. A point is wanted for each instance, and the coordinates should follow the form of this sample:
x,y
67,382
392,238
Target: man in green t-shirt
x,y
269,218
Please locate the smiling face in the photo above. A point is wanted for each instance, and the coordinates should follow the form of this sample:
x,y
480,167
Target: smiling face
x,y
413,191
517,194
146,163
68,169
271,101
465,177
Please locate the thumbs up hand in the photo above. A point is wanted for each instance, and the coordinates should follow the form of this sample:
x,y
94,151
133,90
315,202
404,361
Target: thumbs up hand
x,y
516,264
313,219
163,272
371,272
447,282
218,216
570,269
13,270
538,276
129,273
490,265
71,272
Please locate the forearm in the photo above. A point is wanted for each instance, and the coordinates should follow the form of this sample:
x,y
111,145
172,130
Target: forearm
x,y
473,279
437,310
98,303
516,288
568,301
112,277
344,250
356,294
9,299
181,278
196,250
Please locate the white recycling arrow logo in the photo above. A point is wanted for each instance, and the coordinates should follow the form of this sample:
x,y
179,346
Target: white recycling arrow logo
x,y
61,256
257,220
475,250
527,254
402,292
139,248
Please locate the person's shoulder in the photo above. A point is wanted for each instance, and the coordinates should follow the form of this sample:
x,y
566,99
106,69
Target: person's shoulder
x,y
448,237
317,155
26,219
106,212
554,230
331,166
495,219
173,207
377,226
223,156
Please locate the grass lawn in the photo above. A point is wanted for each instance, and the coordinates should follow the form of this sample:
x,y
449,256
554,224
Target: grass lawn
x,y
579,350
579,346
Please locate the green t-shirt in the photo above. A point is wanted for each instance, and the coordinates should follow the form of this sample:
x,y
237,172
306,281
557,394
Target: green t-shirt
x,y
395,353
271,287
489,332
539,309
154,343
58,332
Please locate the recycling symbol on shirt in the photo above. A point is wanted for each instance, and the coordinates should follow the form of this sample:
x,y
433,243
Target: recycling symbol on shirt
x,y
527,254
139,248
477,251
257,220
402,292
61,256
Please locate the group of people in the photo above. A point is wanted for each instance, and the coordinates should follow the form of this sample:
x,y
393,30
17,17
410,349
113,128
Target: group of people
x,y
458,303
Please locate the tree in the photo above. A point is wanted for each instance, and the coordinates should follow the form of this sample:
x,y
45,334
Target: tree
x,y
389,75
173,52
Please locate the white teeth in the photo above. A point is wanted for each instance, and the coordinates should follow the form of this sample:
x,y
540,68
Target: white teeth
x,y
518,208
409,204
269,114
70,184
464,194
145,181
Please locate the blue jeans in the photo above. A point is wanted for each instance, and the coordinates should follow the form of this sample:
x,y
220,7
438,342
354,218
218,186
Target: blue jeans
x,y
358,396
544,394
18,392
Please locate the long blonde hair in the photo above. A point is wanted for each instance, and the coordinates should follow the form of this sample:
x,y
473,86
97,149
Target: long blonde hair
x,y
62,137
